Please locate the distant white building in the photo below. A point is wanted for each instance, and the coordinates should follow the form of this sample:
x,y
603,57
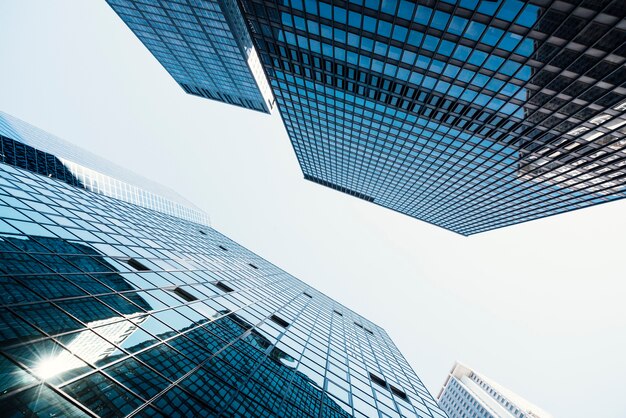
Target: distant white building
x,y
468,394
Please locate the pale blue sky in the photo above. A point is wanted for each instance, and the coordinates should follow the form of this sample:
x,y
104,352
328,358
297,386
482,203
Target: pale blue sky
x,y
538,307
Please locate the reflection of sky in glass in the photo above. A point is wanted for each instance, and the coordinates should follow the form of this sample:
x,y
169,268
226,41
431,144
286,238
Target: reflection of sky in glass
x,y
204,46
417,108
87,170
450,147
335,41
143,322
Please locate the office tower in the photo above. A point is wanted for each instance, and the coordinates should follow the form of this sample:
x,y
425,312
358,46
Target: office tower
x,y
467,114
110,308
204,45
26,146
467,393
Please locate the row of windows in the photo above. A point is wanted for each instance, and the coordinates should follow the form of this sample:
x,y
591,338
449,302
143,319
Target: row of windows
x,y
495,394
34,158
113,295
476,177
457,401
198,48
465,156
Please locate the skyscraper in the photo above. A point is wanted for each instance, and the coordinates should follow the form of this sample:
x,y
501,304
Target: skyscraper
x,y
467,114
467,393
26,146
204,45
111,308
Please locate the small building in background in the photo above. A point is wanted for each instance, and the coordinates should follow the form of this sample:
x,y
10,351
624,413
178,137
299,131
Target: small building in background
x,y
467,393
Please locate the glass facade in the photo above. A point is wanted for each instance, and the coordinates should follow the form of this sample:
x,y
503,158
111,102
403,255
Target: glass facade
x,y
467,114
204,45
25,146
113,309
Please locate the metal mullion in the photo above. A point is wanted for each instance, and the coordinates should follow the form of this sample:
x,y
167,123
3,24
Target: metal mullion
x,y
427,168
554,111
294,98
198,366
529,182
419,52
384,179
157,33
564,207
67,397
565,192
269,349
529,58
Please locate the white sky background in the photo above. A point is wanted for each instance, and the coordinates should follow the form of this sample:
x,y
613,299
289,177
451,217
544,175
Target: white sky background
x,y
539,307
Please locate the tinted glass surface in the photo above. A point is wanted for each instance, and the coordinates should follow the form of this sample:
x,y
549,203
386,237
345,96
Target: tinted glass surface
x,y
468,114
113,309
204,45
26,146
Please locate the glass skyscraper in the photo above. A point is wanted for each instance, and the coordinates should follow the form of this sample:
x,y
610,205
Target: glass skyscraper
x,y
25,146
204,45
111,308
467,114
467,393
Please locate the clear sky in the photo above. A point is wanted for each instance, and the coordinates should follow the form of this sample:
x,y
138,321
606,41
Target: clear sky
x,y
538,307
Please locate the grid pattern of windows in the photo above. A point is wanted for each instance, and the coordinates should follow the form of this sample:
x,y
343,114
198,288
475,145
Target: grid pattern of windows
x,y
25,146
204,45
111,309
497,396
468,114
466,394
459,403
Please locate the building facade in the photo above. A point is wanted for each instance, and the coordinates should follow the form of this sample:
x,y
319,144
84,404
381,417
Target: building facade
x,y
109,308
468,394
204,45
467,114
26,146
